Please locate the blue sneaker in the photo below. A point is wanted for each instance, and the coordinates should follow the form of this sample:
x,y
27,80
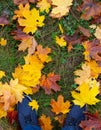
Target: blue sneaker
x,y
75,116
26,115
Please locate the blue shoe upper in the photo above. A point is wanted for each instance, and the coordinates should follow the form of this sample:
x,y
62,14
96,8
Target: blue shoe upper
x,y
74,117
25,113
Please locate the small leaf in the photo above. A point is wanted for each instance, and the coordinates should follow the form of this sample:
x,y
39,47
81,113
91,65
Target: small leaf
x,y
60,106
34,104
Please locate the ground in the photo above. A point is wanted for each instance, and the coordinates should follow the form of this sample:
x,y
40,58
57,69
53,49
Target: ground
x,y
63,62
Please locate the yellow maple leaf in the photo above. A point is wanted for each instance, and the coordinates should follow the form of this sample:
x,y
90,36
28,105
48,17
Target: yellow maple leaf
x,y
44,5
22,10
2,73
60,8
86,95
95,68
34,105
83,74
45,122
7,97
60,106
31,20
17,89
60,41
3,42
2,112
28,75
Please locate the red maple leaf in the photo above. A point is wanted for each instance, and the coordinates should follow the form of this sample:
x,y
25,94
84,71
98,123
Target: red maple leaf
x,y
93,122
12,116
49,83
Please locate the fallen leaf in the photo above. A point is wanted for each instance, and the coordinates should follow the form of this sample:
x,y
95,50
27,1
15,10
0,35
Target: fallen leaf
x,y
42,53
3,20
83,74
86,94
60,106
29,43
29,19
76,38
17,2
3,42
43,5
93,122
61,41
12,116
61,29
45,122
2,73
19,34
90,9
60,8
92,50
98,33
85,31
34,105
60,118
49,83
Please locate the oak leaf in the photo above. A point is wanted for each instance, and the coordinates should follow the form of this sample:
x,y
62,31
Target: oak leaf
x,y
60,8
45,122
86,94
93,122
60,106
49,83
90,9
34,105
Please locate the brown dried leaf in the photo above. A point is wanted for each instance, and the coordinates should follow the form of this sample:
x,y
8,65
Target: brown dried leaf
x,y
93,122
19,34
85,31
17,2
29,43
4,20
90,9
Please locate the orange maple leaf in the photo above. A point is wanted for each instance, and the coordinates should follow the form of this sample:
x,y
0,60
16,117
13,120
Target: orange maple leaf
x,y
45,122
60,106
49,83
42,53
